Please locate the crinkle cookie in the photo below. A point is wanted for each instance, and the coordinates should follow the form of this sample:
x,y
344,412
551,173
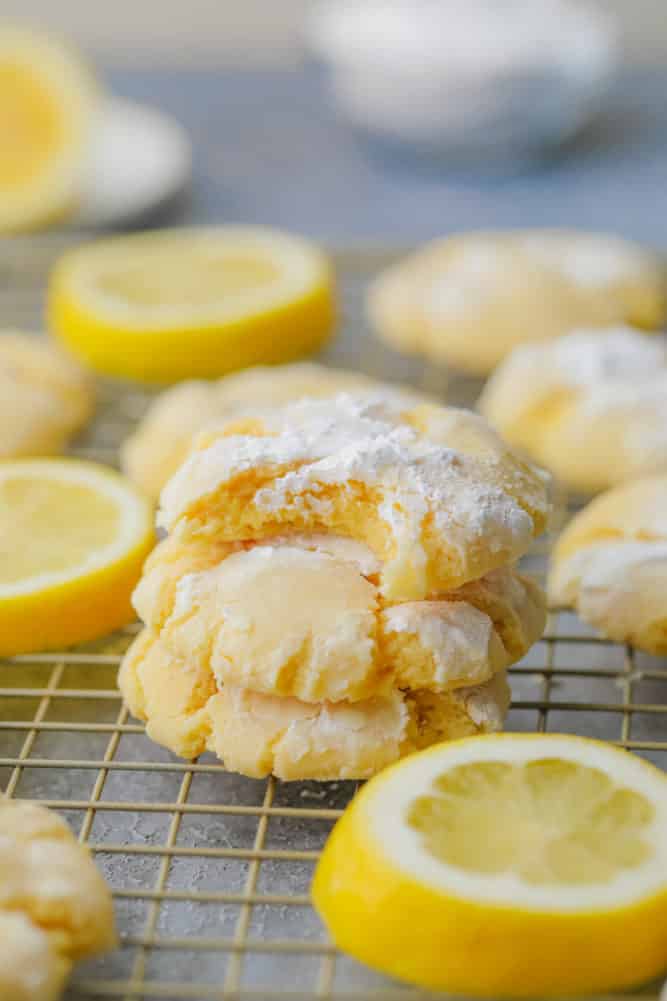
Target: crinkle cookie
x,y
591,406
55,907
468,300
259,734
162,440
610,564
433,492
44,397
304,618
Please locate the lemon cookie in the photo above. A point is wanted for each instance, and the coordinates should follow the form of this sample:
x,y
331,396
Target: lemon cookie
x,y
163,438
469,299
283,619
55,907
610,564
590,406
30,968
44,397
259,734
437,513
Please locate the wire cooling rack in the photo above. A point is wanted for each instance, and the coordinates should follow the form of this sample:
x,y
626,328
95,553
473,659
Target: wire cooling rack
x,y
210,871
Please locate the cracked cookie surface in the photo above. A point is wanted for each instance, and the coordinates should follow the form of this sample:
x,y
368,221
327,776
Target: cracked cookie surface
x,y
55,907
44,397
434,492
468,300
259,734
591,406
161,442
610,564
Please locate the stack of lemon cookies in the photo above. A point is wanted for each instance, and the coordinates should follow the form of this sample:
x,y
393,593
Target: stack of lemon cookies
x,y
337,587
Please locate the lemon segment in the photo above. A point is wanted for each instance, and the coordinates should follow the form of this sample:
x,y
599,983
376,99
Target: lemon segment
x,y
73,538
47,101
507,866
170,305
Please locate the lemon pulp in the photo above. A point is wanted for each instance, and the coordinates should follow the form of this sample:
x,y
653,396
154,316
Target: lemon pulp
x,y
49,526
554,821
160,280
29,124
512,865
73,537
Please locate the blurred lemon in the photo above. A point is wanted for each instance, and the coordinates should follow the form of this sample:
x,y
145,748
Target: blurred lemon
x,y
47,96
73,538
504,866
175,304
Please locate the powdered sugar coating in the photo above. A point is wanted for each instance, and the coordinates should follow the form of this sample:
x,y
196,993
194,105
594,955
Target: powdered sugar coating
x,y
591,406
590,260
163,437
258,734
470,299
291,621
304,450
456,635
474,276
610,564
594,358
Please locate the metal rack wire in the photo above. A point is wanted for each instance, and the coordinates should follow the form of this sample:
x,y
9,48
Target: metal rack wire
x,y
210,870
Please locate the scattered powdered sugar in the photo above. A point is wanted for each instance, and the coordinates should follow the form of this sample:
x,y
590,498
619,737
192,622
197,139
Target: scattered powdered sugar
x,y
315,453
189,591
601,264
312,444
617,374
608,565
455,633
619,370
469,279
588,260
642,404
593,358
483,266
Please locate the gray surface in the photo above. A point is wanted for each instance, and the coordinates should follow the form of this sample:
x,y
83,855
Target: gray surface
x,y
269,149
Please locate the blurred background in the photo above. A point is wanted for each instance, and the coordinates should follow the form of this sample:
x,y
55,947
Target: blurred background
x,y
379,120
259,31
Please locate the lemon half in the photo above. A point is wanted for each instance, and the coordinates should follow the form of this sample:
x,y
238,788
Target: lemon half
x,y
506,866
47,101
73,538
175,304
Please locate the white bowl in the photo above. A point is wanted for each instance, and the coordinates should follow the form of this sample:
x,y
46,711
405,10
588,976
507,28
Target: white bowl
x,y
466,77
139,159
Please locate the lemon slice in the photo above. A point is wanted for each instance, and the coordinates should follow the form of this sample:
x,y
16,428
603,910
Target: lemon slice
x,y
73,538
175,304
47,97
506,866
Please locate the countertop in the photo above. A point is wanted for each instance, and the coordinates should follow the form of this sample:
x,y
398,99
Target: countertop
x,y
270,149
